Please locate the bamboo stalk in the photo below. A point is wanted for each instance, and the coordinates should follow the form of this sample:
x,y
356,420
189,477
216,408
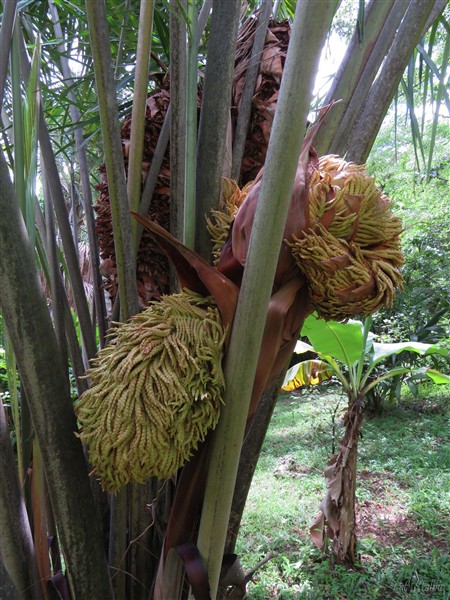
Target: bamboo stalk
x,y
312,20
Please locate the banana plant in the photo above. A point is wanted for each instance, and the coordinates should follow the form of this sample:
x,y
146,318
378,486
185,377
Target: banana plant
x,y
349,352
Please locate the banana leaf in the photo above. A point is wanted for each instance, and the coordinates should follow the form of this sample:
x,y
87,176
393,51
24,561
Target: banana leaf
x,y
308,372
383,350
342,341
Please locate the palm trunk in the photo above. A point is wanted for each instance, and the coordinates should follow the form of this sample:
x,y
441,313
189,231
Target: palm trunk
x,y
26,316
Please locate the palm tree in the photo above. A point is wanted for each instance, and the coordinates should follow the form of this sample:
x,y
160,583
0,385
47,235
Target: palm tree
x,y
83,519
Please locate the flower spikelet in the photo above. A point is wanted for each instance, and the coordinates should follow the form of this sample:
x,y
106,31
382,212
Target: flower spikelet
x,y
219,222
156,391
351,253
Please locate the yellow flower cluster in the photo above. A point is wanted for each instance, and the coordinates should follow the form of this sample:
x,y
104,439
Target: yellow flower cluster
x,y
156,391
351,254
219,223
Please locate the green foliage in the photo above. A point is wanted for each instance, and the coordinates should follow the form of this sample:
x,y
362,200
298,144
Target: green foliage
x,y
421,312
402,502
353,345
3,374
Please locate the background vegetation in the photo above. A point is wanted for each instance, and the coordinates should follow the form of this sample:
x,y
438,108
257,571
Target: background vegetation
x,y
57,129
402,501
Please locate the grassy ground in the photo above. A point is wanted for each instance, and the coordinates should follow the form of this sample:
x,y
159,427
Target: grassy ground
x,y
403,495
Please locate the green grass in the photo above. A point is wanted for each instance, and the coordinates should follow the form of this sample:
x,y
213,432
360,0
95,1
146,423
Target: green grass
x,y
403,494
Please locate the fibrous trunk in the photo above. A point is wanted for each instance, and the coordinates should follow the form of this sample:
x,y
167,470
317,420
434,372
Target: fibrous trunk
x,y
344,545
336,519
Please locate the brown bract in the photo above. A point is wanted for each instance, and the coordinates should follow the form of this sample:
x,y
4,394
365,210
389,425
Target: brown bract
x,y
266,91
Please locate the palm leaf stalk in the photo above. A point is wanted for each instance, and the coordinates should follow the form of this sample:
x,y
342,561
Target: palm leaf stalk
x,y
22,430
22,302
408,92
215,114
249,90
134,175
164,135
18,118
191,127
44,252
166,131
123,242
337,141
31,108
308,34
251,450
358,69
84,175
26,105
139,558
439,99
39,495
411,29
57,195
139,494
98,29
56,285
177,113
6,33
122,37
152,268
16,540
